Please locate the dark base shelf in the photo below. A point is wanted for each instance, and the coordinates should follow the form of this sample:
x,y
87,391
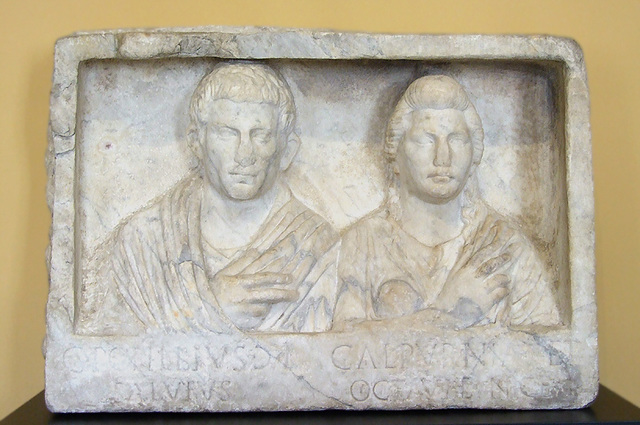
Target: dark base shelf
x,y
607,408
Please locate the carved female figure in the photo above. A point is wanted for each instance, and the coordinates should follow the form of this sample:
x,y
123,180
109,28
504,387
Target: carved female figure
x,y
435,249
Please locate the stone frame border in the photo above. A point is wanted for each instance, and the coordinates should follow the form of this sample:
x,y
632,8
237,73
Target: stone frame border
x,y
264,43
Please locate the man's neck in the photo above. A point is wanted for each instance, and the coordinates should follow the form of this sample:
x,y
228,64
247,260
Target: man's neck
x,y
227,223
431,224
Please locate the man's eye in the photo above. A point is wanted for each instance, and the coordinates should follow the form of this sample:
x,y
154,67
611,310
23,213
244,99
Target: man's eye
x,y
458,138
224,132
261,136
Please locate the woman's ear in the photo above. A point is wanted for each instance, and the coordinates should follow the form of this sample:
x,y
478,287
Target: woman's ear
x,y
290,150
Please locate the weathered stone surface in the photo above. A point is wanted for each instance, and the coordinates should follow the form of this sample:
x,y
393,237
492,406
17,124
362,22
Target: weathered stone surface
x,y
272,219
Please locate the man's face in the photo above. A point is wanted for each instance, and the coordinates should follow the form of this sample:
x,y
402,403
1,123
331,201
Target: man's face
x,y
436,154
241,153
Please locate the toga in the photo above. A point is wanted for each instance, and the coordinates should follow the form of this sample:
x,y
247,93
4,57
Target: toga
x,y
155,271
377,254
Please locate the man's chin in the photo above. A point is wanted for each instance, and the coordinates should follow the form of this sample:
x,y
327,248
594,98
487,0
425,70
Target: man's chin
x,y
238,195
242,191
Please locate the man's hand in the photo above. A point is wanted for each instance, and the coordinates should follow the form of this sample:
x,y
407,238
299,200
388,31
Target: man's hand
x,y
247,298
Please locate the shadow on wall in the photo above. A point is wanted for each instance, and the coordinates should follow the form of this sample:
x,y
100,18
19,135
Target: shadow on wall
x,y
27,362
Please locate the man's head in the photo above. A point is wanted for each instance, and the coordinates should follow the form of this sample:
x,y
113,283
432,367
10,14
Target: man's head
x,y
434,139
242,120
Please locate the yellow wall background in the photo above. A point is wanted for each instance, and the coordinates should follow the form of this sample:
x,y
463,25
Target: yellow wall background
x,y
609,32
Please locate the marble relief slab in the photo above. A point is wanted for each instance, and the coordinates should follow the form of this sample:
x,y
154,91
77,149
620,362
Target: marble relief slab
x,y
271,219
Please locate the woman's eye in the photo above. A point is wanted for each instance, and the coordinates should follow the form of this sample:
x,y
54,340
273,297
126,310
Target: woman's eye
x,y
423,139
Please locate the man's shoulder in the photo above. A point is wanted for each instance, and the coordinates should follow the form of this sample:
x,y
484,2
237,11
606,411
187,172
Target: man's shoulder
x,y
378,219
169,209
376,225
298,208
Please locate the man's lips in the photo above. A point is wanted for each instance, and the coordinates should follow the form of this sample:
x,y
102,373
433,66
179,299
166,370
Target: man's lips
x,y
243,177
243,173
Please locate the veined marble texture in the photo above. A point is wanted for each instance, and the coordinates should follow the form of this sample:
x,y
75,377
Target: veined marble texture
x,y
274,219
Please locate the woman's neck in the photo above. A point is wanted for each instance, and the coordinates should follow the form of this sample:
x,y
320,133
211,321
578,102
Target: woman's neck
x,y
431,224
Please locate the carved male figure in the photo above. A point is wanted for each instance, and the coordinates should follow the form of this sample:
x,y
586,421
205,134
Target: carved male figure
x,y
435,250
229,246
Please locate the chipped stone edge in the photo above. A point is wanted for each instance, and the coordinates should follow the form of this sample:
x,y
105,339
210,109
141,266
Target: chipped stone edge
x,y
264,43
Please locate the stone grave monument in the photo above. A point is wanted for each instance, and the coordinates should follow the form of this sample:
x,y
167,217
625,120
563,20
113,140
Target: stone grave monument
x,y
275,219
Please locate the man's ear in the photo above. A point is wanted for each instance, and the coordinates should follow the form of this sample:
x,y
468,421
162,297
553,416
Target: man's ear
x,y
395,168
290,150
195,135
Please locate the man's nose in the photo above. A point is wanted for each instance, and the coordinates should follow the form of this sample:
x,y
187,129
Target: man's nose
x,y
245,154
442,157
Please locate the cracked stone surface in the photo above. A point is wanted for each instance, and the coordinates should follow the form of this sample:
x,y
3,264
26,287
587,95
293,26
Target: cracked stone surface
x,y
280,219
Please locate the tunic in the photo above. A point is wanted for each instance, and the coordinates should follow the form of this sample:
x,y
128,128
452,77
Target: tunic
x,y
384,272
155,272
